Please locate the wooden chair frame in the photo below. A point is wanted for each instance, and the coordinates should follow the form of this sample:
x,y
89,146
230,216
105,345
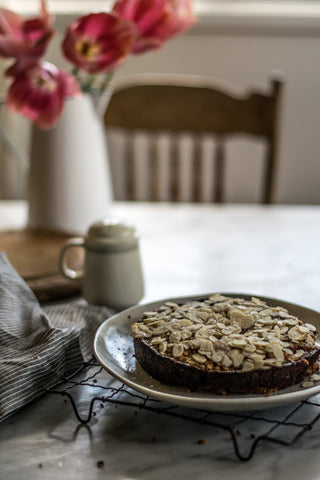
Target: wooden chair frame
x,y
199,106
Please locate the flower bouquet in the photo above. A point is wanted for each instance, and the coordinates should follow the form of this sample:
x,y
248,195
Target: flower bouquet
x,y
95,44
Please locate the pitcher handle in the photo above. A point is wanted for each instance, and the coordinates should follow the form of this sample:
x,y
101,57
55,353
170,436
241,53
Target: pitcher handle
x,y
63,266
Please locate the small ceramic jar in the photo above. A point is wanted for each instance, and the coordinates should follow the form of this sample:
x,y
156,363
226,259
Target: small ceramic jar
x,y
112,273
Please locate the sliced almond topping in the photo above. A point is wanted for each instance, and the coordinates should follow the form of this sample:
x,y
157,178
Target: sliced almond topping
x,y
199,358
178,350
231,332
163,347
277,351
236,357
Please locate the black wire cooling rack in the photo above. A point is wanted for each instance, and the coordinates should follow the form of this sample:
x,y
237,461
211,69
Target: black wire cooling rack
x,y
246,430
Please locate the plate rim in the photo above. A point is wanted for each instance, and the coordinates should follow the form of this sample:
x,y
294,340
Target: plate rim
x,y
241,402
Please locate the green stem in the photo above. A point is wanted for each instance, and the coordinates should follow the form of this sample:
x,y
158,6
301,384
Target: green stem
x,y
75,73
87,85
106,81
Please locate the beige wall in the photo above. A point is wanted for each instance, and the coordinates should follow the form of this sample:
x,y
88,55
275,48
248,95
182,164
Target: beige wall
x,y
245,59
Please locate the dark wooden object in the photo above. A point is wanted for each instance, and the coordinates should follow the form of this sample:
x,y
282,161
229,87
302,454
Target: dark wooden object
x,y
35,256
180,104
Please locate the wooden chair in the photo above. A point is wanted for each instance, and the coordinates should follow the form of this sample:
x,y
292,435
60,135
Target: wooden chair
x,y
200,107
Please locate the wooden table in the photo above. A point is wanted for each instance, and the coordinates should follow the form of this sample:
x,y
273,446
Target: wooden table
x,y
186,249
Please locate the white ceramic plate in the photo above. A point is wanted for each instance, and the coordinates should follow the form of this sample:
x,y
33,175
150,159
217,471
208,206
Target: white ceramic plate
x,y
114,350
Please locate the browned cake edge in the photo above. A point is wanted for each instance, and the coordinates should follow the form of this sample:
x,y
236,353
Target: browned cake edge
x,y
173,372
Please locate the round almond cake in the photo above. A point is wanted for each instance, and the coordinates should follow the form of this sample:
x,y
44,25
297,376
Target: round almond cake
x,y
225,345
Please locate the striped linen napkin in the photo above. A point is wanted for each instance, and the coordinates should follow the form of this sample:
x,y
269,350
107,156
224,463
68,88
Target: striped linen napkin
x,y
39,345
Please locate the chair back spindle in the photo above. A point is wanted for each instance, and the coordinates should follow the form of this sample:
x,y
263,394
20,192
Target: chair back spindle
x,y
199,107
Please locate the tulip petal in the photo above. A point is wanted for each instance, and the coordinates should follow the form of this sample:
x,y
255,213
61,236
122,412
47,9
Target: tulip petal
x,y
156,20
10,22
98,42
20,38
39,93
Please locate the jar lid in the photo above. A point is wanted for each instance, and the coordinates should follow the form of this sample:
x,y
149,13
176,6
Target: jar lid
x,y
111,234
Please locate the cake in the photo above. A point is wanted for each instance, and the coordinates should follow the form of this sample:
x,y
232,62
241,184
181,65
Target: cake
x,y
225,345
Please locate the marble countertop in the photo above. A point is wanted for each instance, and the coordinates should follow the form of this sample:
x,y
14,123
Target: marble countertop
x,y
186,249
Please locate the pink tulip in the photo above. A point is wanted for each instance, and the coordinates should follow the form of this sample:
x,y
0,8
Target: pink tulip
x,y
98,42
19,66
39,93
156,20
20,38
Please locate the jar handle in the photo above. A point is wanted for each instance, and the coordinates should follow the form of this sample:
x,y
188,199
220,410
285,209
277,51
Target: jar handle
x,y
63,266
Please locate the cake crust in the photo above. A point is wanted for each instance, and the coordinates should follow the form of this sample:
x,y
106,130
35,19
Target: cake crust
x,y
173,372
225,345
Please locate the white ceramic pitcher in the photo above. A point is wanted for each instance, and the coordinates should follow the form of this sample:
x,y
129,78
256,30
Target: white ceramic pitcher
x,y
69,181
